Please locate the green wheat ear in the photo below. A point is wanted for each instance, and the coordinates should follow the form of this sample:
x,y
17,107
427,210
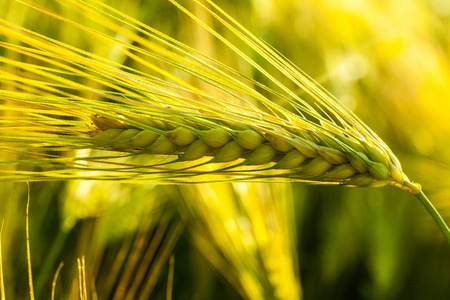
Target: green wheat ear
x,y
70,114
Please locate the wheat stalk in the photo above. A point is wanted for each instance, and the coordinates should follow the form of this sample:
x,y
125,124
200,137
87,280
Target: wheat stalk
x,y
174,131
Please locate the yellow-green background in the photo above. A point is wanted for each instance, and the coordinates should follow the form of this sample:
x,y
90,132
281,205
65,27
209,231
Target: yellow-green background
x,y
387,60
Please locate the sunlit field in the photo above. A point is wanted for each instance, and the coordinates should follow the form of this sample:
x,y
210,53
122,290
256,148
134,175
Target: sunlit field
x,y
114,217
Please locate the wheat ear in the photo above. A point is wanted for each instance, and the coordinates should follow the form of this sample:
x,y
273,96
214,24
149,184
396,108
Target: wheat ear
x,y
236,129
309,155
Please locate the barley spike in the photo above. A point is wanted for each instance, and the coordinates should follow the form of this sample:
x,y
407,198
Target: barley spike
x,y
63,100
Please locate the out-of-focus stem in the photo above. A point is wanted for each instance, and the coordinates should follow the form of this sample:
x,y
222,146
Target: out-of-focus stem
x,y
435,214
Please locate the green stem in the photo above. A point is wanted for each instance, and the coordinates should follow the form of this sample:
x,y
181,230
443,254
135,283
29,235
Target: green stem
x,y
435,214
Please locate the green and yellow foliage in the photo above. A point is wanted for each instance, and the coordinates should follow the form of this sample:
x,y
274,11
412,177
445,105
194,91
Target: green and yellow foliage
x,y
163,142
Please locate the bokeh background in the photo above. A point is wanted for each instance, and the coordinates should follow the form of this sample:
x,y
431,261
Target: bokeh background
x,y
386,60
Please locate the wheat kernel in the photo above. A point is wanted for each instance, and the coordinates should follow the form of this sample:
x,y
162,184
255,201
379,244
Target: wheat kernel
x,y
109,134
126,136
395,173
307,148
357,162
162,145
248,139
196,150
144,139
229,152
341,172
375,154
261,155
361,180
291,160
328,142
316,167
280,143
333,156
216,137
380,183
182,136
351,143
309,137
377,170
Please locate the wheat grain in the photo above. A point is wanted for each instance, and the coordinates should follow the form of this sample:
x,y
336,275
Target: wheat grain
x,y
312,160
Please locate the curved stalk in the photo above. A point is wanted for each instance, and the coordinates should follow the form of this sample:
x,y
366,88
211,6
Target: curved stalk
x,y
435,214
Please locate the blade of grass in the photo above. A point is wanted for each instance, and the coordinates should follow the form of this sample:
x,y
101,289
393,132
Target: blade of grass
x,y
30,275
2,283
169,291
55,279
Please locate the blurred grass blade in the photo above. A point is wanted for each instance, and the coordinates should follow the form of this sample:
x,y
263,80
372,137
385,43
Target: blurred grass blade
x,y
55,280
30,272
2,283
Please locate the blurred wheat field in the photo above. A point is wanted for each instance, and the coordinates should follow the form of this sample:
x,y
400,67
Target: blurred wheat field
x,y
388,61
